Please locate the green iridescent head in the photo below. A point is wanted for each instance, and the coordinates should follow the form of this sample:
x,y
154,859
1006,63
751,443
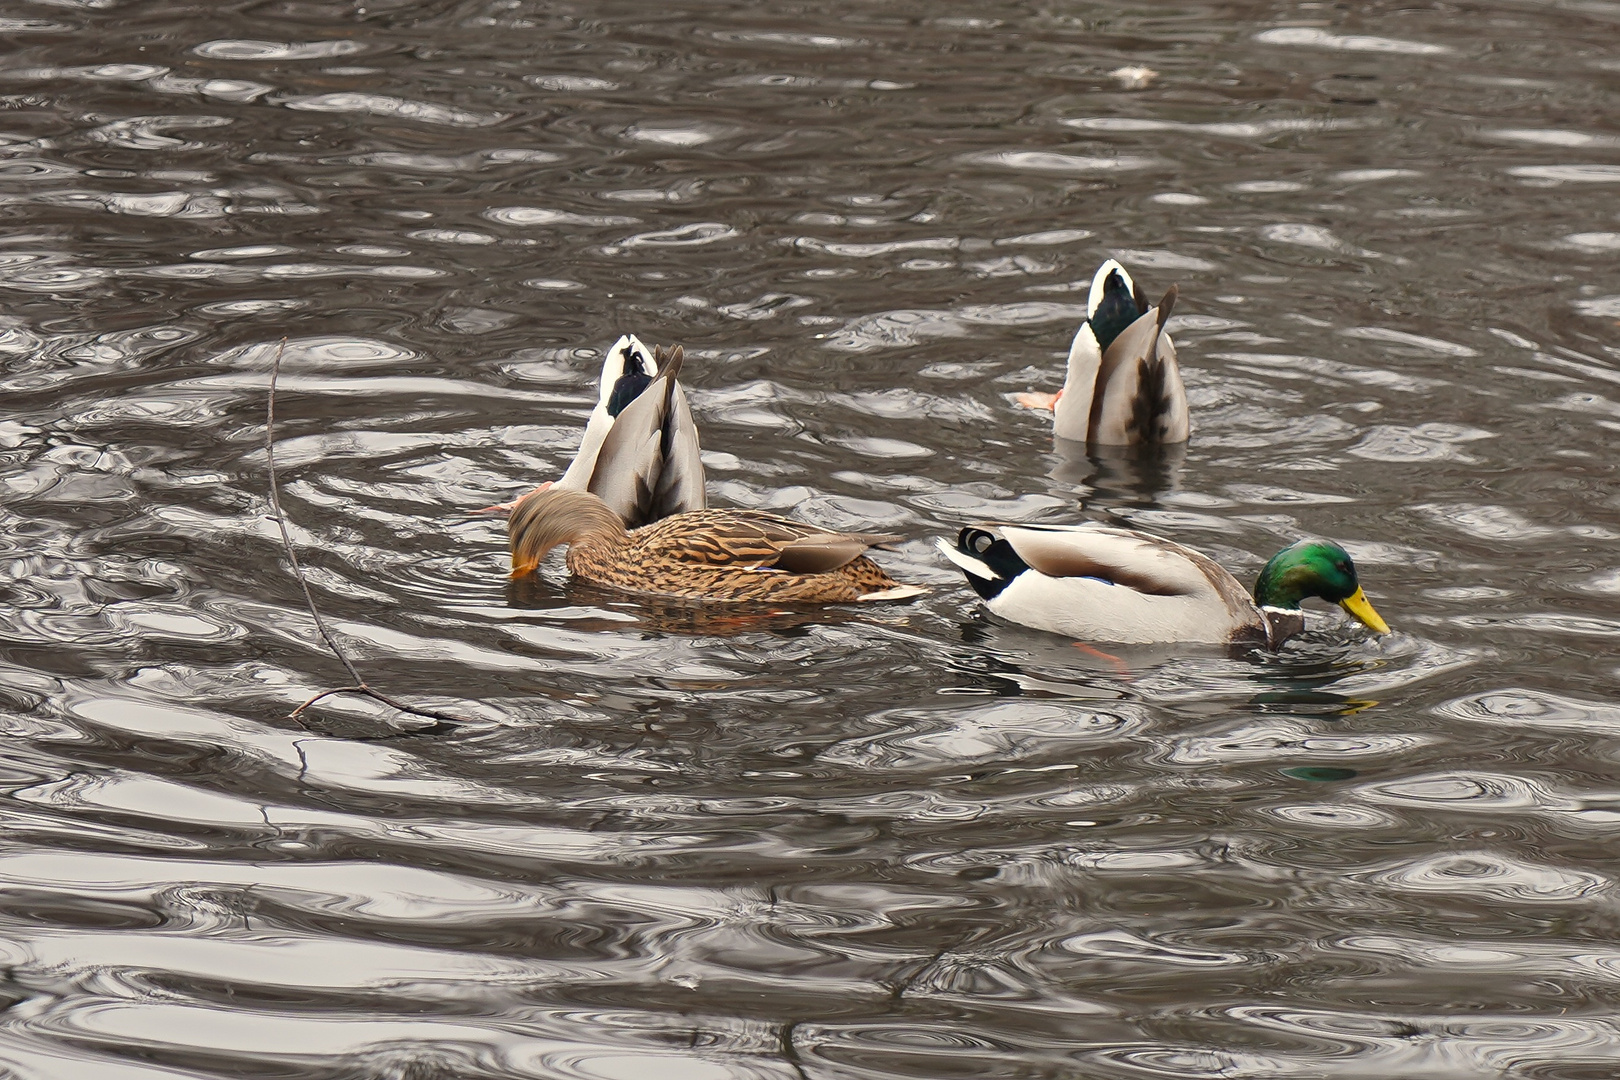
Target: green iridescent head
x,y
1315,568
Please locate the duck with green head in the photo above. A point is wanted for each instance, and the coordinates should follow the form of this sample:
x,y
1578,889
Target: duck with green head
x,y
1099,583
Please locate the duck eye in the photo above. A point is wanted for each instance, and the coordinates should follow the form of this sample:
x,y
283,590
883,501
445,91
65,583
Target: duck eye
x,y
981,543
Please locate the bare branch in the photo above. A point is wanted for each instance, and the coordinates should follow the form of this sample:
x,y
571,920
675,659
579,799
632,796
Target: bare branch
x,y
281,520
360,686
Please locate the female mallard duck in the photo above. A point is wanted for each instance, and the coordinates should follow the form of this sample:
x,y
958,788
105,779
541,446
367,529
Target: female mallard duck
x,y
1097,583
744,555
1123,386
657,467
737,555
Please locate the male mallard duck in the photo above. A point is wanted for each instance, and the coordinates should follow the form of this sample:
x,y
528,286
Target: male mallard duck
x,y
661,439
1123,386
736,555
648,464
1098,583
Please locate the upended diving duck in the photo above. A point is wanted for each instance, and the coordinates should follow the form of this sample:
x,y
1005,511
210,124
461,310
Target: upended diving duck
x,y
1099,583
1123,386
657,467
715,555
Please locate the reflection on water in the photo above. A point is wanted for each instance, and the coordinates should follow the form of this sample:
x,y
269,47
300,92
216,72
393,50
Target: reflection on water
x,y
914,842
1119,474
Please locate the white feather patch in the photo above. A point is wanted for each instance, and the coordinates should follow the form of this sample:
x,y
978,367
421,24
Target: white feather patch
x,y
899,592
967,562
1071,415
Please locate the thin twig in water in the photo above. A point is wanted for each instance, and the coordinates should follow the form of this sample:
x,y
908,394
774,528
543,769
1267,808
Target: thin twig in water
x,y
360,686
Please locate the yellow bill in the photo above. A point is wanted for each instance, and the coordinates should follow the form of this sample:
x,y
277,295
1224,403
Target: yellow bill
x,y
1356,604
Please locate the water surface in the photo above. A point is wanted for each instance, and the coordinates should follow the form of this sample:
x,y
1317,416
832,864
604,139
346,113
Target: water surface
x,y
907,842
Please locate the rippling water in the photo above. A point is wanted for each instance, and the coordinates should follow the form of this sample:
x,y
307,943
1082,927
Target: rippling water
x,y
908,842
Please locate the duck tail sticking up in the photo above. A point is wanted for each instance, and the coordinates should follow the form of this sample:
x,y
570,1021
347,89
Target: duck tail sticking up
x,y
634,374
1113,304
650,465
1122,386
1140,398
1159,407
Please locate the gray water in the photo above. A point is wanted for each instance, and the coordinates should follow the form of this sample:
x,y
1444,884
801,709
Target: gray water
x,y
900,842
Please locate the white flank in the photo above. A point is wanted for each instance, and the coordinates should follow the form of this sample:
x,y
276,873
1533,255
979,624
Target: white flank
x,y
579,472
1088,609
1071,416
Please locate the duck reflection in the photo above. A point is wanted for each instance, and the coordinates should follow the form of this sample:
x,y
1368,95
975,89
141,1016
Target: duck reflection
x,y
1008,660
1137,475
596,609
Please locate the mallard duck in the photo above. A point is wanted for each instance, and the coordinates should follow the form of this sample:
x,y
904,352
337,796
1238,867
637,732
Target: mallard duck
x,y
1098,583
731,555
657,466
1123,386
742,555
648,464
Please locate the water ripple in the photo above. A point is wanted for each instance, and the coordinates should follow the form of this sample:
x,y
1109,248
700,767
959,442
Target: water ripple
x,y
1492,875
892,841
386,105
1314,37
239,49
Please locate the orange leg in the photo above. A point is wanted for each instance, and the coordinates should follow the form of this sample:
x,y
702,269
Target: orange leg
x,y
1034,399
1115,662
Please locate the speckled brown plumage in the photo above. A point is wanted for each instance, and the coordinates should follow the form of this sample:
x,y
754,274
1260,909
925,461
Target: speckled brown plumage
x,y
733,555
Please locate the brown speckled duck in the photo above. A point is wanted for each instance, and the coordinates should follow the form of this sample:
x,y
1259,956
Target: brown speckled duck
x,y
735,555
730,555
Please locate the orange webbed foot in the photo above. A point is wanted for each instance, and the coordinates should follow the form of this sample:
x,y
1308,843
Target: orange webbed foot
x,y
1034,399
1120,667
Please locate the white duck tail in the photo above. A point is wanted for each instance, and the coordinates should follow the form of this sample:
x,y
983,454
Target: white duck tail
x,y
650,465
627,364
971,565
1071,413
1099,285
1123,384
1140,396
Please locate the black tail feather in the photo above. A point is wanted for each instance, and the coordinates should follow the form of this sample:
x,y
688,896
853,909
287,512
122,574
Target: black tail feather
x,y
995,553
1150,409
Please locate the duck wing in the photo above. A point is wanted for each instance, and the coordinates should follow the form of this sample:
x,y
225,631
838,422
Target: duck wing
x,y
1140,397
753,539
1144,563
682,486
650,465
820,553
